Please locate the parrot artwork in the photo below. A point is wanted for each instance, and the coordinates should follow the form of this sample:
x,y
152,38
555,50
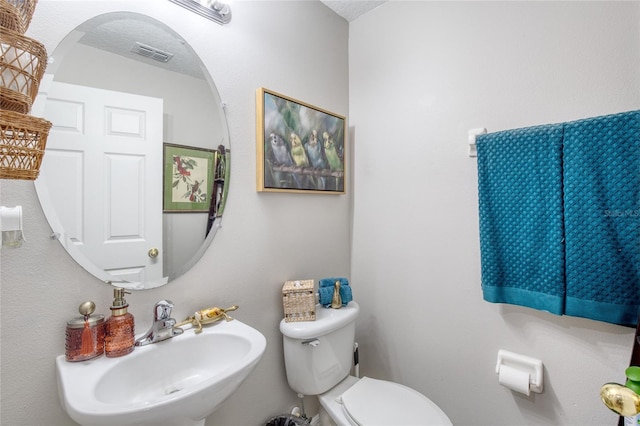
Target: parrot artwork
x,y
280,151
314,153
334,160
297,151
299,156
282,157
335,163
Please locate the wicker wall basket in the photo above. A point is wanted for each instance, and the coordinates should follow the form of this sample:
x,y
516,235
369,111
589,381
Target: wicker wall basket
x,y
22,65
16,15
23,139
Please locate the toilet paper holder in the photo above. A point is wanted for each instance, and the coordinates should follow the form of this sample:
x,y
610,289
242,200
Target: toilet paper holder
x,y
11,233
524,363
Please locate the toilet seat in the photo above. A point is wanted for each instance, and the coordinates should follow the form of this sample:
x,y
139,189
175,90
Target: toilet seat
x,y
379,402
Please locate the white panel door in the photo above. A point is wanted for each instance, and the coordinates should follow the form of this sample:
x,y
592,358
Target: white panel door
x,y
103,169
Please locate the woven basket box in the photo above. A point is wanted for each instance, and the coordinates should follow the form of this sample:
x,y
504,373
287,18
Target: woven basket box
x,y
299,301
23,139
15,15
22,64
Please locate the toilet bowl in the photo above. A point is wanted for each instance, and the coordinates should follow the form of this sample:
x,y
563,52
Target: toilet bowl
x,y
318,359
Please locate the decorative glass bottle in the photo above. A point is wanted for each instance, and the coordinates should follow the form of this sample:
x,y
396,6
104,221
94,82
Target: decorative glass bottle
x,y
84,335
119,329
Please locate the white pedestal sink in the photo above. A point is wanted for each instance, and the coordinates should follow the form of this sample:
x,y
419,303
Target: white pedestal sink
x,y
178,382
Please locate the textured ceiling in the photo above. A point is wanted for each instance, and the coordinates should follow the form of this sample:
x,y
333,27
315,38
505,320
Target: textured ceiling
x,y
352,9
118,32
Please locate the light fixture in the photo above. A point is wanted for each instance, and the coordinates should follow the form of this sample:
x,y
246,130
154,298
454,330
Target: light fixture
x,y
210,9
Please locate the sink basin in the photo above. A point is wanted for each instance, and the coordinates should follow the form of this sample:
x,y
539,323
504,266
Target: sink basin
x,y
179,381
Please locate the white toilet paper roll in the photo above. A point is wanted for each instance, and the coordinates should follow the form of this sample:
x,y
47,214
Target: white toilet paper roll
x,y
514,379
11,226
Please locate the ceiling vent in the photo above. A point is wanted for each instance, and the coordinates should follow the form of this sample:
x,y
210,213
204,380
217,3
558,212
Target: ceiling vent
x,y
151,52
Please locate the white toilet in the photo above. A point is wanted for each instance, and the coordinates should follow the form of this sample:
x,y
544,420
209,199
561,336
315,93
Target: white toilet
x,y
318,358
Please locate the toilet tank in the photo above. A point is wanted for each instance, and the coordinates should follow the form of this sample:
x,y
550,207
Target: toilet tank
x,y
319,354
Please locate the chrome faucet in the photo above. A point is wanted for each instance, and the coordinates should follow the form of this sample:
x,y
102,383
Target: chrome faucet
x,y
163,325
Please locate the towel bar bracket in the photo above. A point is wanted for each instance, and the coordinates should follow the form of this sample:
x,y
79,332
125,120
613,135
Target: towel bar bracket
x,y
473,133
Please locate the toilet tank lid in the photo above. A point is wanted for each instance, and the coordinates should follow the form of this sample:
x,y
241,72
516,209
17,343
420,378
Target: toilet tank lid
x,y
327,320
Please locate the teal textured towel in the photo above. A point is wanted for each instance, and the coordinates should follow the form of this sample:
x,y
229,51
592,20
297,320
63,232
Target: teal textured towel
x,y
560,217
602,217
521,229
330,282
324,296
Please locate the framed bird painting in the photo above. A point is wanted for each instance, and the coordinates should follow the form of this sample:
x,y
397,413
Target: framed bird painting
x,y
300,147
188,178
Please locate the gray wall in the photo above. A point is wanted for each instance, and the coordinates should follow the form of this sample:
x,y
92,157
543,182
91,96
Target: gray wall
x,y
265,239
421,75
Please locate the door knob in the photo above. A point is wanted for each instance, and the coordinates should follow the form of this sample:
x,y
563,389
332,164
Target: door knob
x,y
153,253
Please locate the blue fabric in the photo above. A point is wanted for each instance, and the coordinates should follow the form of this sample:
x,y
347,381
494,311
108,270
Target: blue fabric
x,y
325,291
325,294
521,217
560,217
602,217
346,295
329,282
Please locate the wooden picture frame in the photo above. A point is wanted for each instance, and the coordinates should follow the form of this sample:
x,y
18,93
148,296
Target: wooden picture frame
x,y
300,147
188,178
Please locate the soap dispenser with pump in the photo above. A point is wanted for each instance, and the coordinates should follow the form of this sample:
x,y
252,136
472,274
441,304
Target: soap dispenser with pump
x,y
119,337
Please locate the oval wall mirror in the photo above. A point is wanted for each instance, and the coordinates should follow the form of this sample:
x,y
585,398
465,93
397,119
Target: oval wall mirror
x,y
135,175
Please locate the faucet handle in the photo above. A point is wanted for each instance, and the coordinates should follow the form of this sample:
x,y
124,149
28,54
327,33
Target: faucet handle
x,y
162,310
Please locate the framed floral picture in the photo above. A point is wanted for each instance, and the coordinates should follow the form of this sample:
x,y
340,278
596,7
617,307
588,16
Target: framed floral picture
x,y
300,147
188,178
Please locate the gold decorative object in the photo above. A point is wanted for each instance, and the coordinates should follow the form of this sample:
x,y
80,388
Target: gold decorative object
x,y
336,300
207,316
620,399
